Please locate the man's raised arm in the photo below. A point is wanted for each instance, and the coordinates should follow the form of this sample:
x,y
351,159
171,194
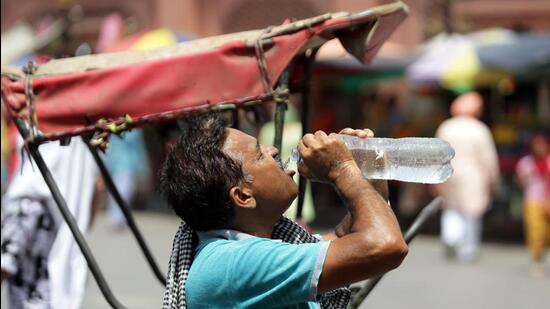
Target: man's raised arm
x,y
369,240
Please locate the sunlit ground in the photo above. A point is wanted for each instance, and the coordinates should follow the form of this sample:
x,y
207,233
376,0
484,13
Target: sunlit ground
x,y
500,279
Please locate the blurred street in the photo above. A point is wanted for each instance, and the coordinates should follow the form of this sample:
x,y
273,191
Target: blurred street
x,y
499,280
426,280
124,80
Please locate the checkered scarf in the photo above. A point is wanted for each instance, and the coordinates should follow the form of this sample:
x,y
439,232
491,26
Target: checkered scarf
x,y
182,257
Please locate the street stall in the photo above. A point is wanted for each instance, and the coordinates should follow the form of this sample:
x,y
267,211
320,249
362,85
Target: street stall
x,y
96,96
510,70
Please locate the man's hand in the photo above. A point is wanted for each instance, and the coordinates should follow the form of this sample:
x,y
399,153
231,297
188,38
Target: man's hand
x,y
365,133
368,241
325,157
379,185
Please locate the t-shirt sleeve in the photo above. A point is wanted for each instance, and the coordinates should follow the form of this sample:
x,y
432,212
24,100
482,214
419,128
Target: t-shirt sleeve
x,y
267,272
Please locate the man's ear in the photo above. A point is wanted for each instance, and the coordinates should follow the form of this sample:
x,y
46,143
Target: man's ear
x,y
242,197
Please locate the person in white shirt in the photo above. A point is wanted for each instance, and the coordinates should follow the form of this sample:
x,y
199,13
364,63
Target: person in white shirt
x,y
468,193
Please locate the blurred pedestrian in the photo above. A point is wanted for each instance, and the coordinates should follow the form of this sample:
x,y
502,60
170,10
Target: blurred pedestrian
x,y
41,261
468,193
128,163
533,171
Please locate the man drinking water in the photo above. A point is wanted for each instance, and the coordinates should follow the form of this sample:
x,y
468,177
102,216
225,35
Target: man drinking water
x,y
234,249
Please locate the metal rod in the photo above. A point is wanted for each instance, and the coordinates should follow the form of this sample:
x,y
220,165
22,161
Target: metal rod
x,y
422,217
281,101
109,183
306,111
280,110
69,219
411,232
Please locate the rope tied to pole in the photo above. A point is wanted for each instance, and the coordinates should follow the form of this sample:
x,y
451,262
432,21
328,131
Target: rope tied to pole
x,y
29,70
262,64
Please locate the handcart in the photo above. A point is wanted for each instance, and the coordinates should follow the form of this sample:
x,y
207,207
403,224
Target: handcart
x,y
95,96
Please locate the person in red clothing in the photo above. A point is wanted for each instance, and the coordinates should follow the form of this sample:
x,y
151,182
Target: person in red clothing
x,y
533,171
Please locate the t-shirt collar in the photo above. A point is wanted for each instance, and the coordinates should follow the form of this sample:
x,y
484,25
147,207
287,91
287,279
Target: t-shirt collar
x,y
224,234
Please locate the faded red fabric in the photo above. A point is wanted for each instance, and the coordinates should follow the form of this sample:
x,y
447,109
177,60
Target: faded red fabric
x,y
70,102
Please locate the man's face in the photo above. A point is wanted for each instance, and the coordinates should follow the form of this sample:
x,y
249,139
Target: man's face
x,y
272,185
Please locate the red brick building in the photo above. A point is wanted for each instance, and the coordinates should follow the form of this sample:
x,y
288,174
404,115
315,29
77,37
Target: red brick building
x,y
211,17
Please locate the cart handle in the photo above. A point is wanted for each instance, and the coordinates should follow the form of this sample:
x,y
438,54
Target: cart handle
x,y
413,230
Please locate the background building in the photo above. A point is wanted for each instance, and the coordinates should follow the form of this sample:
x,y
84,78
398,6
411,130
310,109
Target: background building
x,y
210,17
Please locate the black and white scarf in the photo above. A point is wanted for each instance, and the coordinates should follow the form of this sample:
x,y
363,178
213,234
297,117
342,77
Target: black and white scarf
x,y
182,257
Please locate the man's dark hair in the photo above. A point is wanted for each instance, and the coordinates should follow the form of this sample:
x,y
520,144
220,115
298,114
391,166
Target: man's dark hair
x,y
197,175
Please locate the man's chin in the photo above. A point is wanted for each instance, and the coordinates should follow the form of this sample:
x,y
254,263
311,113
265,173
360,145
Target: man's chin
x,y
294,190
292,195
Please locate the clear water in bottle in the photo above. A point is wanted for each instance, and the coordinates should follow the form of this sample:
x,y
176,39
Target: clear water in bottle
x,y
422,160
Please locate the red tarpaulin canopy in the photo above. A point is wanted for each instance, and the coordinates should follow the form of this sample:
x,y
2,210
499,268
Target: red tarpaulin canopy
x,y
79,95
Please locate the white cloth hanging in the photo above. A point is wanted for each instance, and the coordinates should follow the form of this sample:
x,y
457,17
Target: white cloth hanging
x,y
74,171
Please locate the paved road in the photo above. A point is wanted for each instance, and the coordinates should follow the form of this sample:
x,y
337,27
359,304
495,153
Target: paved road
x,y
425,280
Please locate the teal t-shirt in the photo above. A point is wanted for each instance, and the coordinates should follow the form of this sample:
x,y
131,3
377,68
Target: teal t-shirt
x,y
236,270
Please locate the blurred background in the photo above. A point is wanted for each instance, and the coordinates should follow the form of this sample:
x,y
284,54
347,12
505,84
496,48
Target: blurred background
x,y
407,91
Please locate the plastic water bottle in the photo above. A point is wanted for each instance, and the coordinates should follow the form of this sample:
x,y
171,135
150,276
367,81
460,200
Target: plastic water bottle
x,y
411,159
